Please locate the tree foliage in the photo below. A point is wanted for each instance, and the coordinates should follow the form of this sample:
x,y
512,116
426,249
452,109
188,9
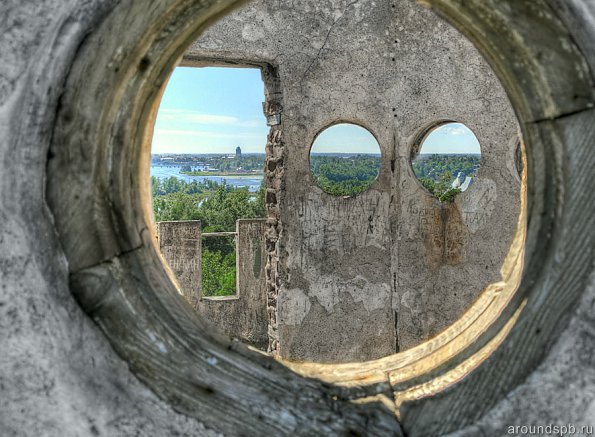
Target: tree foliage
x,y
217,206
218,273
437,172
344,175
441,190
436,165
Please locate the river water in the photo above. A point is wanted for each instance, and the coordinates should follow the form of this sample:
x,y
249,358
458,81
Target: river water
x,y
252,182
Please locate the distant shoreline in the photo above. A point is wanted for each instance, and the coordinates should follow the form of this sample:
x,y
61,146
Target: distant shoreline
x,y
222,173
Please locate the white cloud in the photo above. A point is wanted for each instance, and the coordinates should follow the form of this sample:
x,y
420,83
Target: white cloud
x,y
252,123
455,129
203,134
188,131
183,115
188,116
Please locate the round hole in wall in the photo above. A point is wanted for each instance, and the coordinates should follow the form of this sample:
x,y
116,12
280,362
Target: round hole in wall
x,y
447,160
345,159
118,279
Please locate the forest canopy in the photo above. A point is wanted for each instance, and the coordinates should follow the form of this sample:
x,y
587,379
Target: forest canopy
x,y
344,175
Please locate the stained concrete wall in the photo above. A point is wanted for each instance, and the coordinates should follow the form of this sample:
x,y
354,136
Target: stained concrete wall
x,y
242,316
59,376
352,270
180,245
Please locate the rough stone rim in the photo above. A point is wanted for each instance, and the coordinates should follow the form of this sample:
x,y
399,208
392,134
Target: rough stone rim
x,y
549,94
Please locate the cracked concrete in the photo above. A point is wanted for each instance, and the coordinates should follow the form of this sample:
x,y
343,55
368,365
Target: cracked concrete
x,y
360,62
59,375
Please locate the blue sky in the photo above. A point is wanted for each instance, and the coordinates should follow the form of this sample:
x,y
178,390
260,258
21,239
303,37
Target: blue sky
x,y
345,138
451,138
211,110
214,110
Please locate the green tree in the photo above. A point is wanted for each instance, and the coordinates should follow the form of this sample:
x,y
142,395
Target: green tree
x,y
218,273
436,172
218,207
344,175
225,205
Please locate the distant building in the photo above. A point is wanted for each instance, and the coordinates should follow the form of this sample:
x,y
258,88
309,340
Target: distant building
x,y
457,182
238,152
467,183
460,183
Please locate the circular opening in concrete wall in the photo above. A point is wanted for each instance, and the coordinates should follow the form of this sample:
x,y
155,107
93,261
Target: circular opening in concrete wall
x,y
345,159
447,160
98,194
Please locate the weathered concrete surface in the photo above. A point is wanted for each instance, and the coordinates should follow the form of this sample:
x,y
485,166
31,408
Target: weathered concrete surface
x,y
58,374
180,245
561,391
351,270
244,316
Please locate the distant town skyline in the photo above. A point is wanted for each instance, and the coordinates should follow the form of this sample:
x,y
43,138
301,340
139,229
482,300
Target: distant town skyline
x,y
213,110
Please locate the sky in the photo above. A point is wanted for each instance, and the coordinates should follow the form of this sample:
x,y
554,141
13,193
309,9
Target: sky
x,y
214,110
451,138
345,138
211,110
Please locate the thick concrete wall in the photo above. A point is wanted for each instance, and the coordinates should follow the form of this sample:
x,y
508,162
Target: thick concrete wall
x,y
243,316
58,374
180,244
351,270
